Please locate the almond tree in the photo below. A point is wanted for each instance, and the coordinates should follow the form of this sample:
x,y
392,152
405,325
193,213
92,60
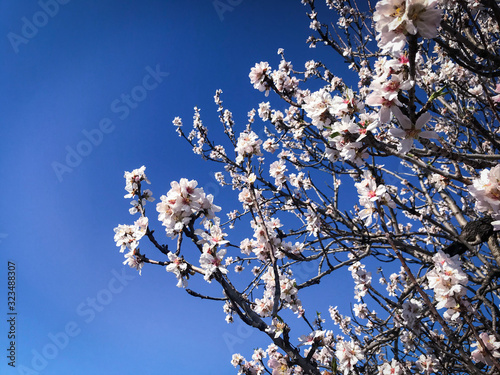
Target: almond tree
x,y
417,140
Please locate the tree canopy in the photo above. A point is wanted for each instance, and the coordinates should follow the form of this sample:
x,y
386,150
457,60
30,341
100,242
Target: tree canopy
x,y
396,178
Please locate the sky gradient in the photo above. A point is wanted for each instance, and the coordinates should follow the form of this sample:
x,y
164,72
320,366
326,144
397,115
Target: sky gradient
x,y
90,91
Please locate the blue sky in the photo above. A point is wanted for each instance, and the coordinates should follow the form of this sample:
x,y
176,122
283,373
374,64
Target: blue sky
x,y
66,85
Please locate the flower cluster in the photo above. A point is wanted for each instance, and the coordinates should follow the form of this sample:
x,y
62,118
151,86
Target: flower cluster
x,y
323,109
319,107
183,202
411,313
288,294
133,181
486,191
348,353
277,170
448,282
127,237
427,364
258,75
371,194
394,19
248,145
266,239
253,367
391,78
344,322
212,255
362,279
391,368
179,268
488,343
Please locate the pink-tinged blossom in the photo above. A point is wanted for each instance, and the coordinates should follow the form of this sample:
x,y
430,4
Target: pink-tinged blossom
x,y
367,213
396,18
389,13
178,267
318,106
345,125
277,170
282,80
258,76
392,42
279,366
348,354
351,151
264,111
288,294
313,222
237,359
270,145
423,17
246,368
246,197
369,195
182,201
263,307
314,337
486,191
178,125
128,236
389,89
362,279
391,368
344,322
411,312
386,106
496,98
439,181
367,123
248,144
258,355
212,263
368,190
490,343
411,132
361,310
347,104
133,261
137,205
385,94
277,328
427,364
133,179
448,282
213,238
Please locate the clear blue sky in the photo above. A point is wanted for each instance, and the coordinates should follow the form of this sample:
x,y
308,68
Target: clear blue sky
x,y
65,78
